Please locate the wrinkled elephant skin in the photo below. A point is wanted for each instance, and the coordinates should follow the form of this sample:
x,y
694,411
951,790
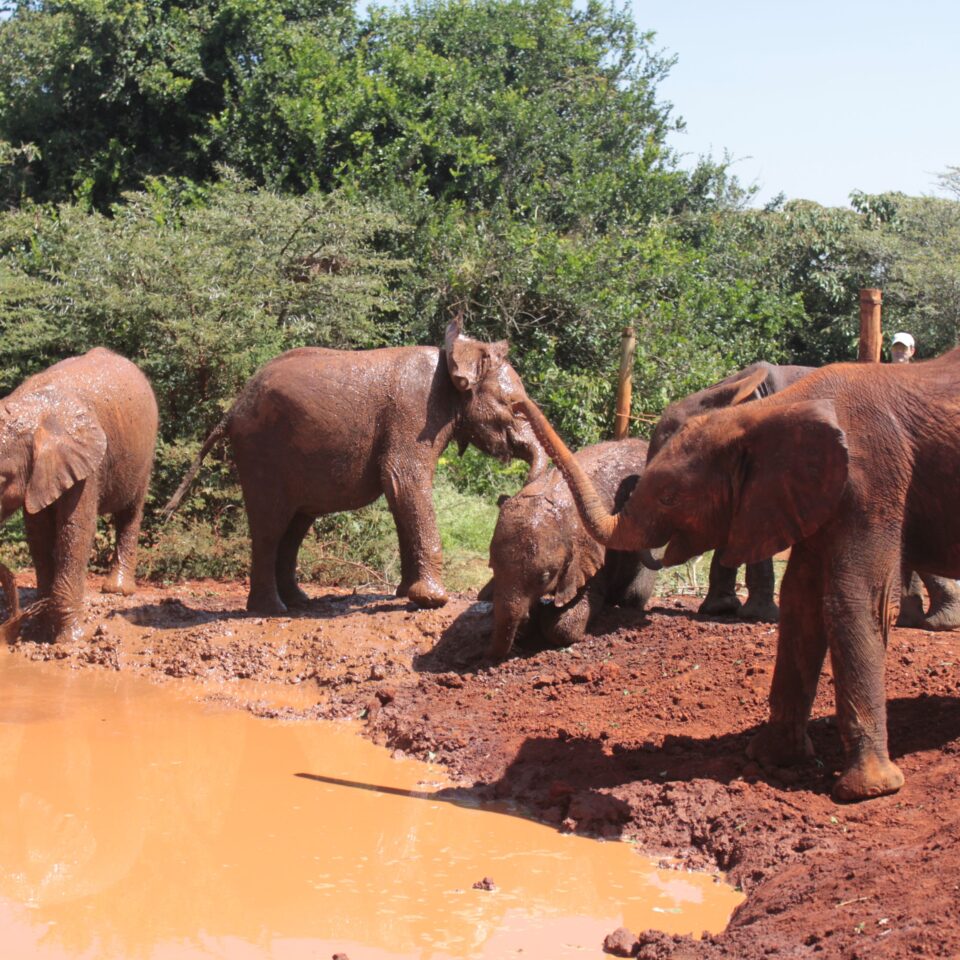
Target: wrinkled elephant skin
x,y
318,431
77,441
549,575
854,466
755,382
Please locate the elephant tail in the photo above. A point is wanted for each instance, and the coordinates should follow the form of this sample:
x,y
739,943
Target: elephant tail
x,y
215,436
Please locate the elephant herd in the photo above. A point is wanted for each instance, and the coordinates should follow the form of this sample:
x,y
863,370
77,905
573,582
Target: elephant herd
x,y
849,465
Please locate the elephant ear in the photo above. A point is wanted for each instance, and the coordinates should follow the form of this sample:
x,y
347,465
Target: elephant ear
x,y
469,360
792,473
68,446
735,392
582,563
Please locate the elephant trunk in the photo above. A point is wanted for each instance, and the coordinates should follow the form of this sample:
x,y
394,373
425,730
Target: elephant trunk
x,y
508,616
605,527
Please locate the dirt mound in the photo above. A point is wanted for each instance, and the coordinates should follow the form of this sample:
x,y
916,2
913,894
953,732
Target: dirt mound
x,y
640,731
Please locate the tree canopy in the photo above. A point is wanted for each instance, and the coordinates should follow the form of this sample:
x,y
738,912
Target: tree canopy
x,y
202,184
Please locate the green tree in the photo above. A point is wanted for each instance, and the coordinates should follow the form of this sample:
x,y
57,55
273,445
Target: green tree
x,y
114,91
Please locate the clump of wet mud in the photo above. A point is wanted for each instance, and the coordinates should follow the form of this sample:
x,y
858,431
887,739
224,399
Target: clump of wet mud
x,y
638,732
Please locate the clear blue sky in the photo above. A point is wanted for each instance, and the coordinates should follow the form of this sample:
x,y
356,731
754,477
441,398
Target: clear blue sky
x,y
813,98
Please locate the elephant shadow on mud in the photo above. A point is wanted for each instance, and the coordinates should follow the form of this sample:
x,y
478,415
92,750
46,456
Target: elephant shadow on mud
x,y
918,724
173,613
463,646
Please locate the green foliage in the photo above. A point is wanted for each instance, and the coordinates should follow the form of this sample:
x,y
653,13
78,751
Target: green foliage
x,y
203,184
115,91
200,294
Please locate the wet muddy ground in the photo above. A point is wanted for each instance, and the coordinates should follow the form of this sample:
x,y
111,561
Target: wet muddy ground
x,y
640,731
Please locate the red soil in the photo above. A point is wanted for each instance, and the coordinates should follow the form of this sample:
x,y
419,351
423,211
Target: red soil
x,y
640,731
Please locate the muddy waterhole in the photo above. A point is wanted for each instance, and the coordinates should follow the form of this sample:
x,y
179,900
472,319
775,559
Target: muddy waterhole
x,y
140,822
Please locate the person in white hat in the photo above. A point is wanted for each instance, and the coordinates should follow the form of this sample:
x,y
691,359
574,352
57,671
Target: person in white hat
x,y
902,348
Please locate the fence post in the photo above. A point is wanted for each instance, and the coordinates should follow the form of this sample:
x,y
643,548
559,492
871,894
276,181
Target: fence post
x,y
871,336
621,423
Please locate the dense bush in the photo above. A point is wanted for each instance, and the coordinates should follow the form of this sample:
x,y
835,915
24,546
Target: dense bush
x,y
201,185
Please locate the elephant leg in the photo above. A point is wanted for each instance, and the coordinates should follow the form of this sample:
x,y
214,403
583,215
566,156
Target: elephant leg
x,y
721,596
801,647
760,604
633,584
911,601
289,547
41,536
268,522
122,575
75,527
944,611
858,627
564,626
421,556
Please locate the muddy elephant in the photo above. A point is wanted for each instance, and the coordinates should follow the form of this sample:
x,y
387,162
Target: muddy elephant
x,y
721,596
550,577
77,441
943,611
317,431
854,466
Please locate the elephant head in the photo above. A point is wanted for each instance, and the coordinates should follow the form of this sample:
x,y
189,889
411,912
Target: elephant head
x,y
537,559
487,386
748,481
48,443
728,393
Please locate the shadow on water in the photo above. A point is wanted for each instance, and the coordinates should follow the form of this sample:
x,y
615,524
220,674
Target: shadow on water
x,y
474,798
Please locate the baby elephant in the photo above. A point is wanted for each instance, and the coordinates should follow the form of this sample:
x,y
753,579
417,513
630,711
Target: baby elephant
x,y
76,441
549,575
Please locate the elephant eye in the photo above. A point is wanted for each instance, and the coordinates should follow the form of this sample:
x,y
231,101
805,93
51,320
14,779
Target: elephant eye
x,y
668,498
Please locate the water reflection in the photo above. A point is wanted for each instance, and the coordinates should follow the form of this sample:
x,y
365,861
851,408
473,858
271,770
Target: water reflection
x,y
139,824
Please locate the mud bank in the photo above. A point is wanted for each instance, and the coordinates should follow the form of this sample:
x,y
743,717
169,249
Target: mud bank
x,y
638,732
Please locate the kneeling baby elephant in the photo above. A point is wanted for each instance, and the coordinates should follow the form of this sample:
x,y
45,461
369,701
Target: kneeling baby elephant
x,y
77,440
549,574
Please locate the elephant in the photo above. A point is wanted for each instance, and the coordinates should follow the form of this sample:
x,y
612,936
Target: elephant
x,y
721,595
549,574
853,467
77,441
944,608
317,431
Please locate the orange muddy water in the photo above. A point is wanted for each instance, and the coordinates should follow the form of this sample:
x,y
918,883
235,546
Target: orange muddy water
x,y
137,822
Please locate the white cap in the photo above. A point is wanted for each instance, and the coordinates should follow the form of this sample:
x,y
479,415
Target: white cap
x,y
903,338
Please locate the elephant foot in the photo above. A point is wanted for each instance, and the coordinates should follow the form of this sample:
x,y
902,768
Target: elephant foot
x,y
781,745
293,596
720,603
266,606
764,609
424,593
120,583
64,632
870,776
911,611
944,615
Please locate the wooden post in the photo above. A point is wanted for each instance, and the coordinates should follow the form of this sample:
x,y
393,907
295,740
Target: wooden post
x,y
621,423
871,336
